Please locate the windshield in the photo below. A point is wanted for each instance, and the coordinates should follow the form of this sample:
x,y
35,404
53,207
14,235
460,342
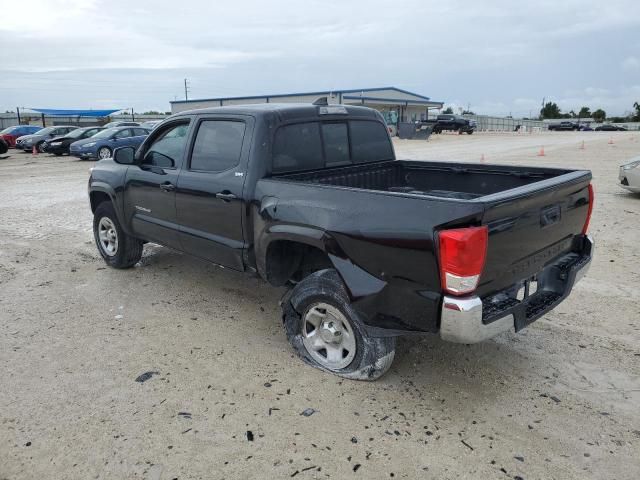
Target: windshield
x,y
46,131
106,133
77,133
8,130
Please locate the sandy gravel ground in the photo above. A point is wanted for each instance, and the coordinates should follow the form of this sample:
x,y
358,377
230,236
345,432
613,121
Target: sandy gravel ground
x,y
561,400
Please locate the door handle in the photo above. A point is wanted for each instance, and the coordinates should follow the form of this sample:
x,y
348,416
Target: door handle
x,y
167,187
225,196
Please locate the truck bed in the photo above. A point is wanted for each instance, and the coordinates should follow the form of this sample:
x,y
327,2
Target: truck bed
x,y
435,179
534,215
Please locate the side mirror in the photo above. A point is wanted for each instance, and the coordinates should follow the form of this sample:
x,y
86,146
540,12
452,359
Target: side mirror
x,y
124,155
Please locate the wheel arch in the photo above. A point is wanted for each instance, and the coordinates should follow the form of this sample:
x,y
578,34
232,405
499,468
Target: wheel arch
x,y
292,250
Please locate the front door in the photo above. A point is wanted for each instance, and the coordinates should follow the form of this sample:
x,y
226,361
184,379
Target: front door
x,y
209,201
149,196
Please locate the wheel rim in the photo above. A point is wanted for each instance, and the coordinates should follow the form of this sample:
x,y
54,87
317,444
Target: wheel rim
x,y
108,236
328,336
41,147
104,153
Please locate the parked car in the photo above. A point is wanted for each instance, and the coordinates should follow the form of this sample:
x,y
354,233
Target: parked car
x,y
607,127
629,175
565,125
585,127
102,144
11,134
4,147
121,124
151,124
312,197
27,142
454,123
60,145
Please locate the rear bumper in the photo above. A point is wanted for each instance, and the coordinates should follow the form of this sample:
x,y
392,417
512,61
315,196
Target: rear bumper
x,y
472,319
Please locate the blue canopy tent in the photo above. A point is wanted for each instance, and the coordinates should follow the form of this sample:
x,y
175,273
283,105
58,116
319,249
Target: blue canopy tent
x,y
51,112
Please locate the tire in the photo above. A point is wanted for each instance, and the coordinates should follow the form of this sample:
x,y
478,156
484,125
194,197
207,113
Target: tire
x,y
40,147
58,154
104,152
321,297
126,251
469,132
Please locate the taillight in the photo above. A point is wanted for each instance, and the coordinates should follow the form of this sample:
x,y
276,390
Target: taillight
x,y
462,254
589,211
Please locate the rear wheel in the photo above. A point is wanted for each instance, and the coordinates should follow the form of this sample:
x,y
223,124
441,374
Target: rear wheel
x,y
104,152
118,249
327,332
469,132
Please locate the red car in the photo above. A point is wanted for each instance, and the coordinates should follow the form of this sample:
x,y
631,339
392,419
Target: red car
x,y
10,134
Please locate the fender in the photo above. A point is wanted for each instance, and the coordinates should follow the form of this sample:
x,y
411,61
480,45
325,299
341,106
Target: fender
x,y
103,187
359,282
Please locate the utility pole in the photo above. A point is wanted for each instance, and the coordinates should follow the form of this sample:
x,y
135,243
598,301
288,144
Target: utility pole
x,y
18,112
186,89
133,115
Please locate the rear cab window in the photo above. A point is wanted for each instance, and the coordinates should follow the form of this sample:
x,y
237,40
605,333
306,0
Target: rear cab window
x,y
316,145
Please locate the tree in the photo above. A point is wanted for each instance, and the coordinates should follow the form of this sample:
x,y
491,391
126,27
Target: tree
x,y
599,115
468,112
636,116
550,110
448,110
584,112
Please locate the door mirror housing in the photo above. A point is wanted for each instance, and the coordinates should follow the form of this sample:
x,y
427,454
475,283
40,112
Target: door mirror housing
x,y
125,155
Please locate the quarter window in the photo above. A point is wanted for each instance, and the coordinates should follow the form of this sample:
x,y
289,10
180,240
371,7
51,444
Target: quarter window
x,y
218,145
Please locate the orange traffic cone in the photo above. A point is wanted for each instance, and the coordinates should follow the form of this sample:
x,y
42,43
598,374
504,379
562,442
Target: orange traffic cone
x,y
34,150
482,158
582,145
541,152
610,140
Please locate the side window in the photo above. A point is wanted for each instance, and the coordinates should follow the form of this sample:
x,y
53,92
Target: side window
x,y
126,133
336,143
167,149
297,147
140,132
217,146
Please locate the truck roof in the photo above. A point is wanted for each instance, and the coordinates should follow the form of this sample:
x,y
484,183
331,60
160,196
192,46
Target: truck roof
x,y
286,111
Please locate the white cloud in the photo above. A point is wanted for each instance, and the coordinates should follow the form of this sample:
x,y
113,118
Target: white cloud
x,y
631,64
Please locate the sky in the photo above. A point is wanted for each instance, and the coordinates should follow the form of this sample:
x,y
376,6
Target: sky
x,y
498,57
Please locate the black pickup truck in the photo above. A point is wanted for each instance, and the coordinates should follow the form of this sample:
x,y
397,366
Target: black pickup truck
x,y
564,126
454,123
311,197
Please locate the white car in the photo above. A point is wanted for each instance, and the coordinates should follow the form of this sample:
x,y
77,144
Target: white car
x,y
630,175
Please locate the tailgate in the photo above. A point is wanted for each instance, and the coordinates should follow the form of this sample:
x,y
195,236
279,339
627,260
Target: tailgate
x,y
531,226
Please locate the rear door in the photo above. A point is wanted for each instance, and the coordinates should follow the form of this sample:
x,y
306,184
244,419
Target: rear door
x,y
209,197
531,226
149,192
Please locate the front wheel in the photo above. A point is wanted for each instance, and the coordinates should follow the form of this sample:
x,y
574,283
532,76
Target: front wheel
x,y
104,152
469,132
327,332
118,249
40,147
